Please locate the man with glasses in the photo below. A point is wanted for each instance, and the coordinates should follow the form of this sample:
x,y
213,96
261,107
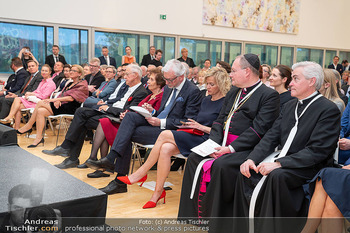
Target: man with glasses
x,y
249,110
95,78
181,101
87,119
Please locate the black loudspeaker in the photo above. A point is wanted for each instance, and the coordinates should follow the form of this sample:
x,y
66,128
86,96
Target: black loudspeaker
x,y
8,136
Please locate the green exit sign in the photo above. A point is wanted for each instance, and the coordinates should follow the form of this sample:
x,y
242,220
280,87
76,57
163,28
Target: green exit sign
x,y
163,17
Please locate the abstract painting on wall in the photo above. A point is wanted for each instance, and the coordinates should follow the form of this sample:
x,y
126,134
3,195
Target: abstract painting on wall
x,y
265,15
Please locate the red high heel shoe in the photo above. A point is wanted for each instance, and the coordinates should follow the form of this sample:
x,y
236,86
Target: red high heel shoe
x,y
126,180
151,204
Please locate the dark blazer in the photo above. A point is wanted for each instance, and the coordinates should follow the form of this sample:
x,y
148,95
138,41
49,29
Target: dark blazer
x,y
315,141
189,61
112,61
57,80
186,105
32,86
18,81
123,89
96,80
156,63
135,98
146,60
251,121
10,81
339,68
51,62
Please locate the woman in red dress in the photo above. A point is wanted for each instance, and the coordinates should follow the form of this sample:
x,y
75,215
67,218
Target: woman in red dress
x,y
107,130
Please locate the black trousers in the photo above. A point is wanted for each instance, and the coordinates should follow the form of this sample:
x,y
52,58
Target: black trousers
x,y
134,128
5,106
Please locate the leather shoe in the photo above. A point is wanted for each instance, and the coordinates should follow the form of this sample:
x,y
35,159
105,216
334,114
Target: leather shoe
x,y
97,174
113,187
101,165
57,151
83,165
67,163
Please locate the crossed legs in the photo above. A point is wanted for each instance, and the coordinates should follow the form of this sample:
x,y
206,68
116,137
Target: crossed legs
x,y
163,149
15,112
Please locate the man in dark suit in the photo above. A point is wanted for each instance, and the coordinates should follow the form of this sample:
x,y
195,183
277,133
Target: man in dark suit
x,y
57,73
185,58
181,101
55,57
336,65
147,59
30,84
15,82
95,78
156,61
106,59
86,118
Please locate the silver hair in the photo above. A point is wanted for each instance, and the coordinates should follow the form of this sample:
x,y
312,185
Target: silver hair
x,y
95,59
112,67
311,70
175,66
144,67
187,68
136,69
245,64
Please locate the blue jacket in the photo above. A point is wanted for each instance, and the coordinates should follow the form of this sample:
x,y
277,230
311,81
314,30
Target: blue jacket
x,y
345,123
108,90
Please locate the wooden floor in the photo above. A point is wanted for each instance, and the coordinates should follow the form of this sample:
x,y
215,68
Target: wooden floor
x,y
124,205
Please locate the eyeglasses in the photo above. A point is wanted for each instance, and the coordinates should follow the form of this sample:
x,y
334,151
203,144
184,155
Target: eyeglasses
x,y
93,65
170,80
109,72
74,71
127,73
234,71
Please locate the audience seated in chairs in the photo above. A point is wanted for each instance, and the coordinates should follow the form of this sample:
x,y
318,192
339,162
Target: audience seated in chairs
x,y
201,82
87,119
330,202
307,130
249,110
95,78
181,101
107,129
105,90
30,84
44,90
171,142
65,102
58,74
65,79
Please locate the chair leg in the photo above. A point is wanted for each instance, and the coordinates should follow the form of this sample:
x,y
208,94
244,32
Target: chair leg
x,y
51,126
58,132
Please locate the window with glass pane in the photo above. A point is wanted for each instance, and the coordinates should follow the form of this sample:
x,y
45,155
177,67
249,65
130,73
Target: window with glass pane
x,y
73,45
344,55
200,50
232,50
116,43
305,54
266,53
167,45
287,56
329,57
15,36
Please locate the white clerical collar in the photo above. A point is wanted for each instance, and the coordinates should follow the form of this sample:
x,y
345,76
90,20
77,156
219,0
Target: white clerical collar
x,y
310,96
245,88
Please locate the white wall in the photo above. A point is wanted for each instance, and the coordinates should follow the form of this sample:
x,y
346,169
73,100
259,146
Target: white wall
x,y
321,21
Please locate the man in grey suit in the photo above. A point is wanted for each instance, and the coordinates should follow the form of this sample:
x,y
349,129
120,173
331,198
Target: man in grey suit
x,y
30,84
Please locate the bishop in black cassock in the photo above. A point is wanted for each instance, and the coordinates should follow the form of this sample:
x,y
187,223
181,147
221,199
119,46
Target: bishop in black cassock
x,y
258,108
311,149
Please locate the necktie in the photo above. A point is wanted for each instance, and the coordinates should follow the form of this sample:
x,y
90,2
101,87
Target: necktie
x,y
56,59
25,87
166,110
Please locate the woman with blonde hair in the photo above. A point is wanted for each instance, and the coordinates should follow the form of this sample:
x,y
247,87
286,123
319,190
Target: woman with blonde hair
x,y
171,142
329,89
65,102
